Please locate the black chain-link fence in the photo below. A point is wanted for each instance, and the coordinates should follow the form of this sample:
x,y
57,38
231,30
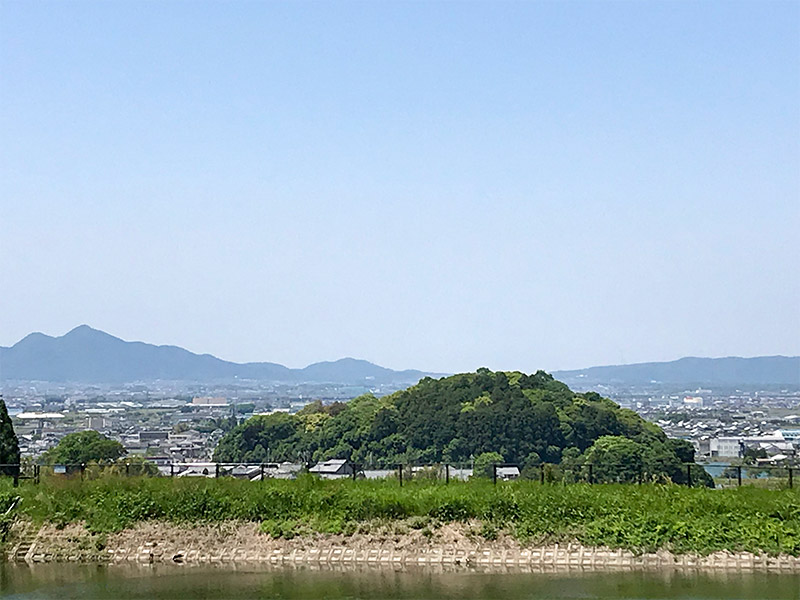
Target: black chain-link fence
x,y
691,474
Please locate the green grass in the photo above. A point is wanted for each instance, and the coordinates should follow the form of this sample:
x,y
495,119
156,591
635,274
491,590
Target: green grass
x,y
638,517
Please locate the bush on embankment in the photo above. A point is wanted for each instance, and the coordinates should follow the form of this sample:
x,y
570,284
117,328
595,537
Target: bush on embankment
x,y
639,517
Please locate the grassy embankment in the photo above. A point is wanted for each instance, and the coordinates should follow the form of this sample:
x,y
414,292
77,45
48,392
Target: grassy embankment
x,y
637,517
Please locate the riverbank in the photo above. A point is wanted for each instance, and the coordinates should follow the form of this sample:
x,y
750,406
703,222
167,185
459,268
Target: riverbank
x,y
382,517
450,547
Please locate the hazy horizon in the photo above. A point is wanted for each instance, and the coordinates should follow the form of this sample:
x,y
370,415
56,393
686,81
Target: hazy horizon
x,y
395,367
437,186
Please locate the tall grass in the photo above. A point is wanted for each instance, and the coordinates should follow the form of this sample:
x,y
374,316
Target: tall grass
x,y
639,517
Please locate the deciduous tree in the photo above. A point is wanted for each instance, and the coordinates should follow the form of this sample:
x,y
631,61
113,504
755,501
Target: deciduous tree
x,y
84,447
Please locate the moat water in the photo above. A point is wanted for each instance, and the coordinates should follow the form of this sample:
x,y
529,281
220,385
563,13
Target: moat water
x,y
89,582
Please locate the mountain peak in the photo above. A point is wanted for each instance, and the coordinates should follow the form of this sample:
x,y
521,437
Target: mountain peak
x,y
32,338
347,360
85,354
84,330
88,337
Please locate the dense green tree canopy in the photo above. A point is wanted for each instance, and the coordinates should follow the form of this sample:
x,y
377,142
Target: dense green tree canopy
x,y
616,458
83,447
484,464
620,459
9,446
526,419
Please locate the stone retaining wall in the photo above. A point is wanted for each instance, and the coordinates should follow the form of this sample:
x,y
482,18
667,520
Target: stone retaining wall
x,y
555,557
551,557
245,546
543,558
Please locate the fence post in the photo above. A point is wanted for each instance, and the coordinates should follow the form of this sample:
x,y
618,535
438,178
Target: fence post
x,y
689,474
541,473
353,466
400,473
262,471
591,473
36,474
739,475
127,469
83,469
447,474
15,471
172,469
790,477
494,473
216,471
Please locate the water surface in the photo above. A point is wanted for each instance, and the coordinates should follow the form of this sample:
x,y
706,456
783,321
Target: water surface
x,y
162,582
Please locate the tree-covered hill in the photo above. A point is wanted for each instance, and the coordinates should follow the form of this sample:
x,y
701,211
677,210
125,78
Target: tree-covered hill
x,y
526,419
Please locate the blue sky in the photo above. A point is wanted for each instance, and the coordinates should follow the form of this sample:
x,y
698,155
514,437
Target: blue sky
x,y
437,185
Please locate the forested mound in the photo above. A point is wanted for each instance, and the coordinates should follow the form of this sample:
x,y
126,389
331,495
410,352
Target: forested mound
x,y
524,419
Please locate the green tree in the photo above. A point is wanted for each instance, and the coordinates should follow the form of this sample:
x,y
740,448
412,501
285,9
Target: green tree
x,y
9,445
484,462
683,449
256,455
84,447
616,458
572,465
531,466
279,435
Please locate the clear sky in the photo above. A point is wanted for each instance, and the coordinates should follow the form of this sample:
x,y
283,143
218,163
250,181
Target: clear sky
x,y
433,185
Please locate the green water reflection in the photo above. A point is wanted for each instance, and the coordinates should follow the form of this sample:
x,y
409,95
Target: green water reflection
x,y
184,582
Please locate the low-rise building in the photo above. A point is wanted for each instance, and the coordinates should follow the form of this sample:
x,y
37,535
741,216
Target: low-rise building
x,y
333,469
730,447
209,401
507,473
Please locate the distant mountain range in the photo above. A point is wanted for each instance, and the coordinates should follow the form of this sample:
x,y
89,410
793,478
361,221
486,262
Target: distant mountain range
x,y
86,355
733,371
